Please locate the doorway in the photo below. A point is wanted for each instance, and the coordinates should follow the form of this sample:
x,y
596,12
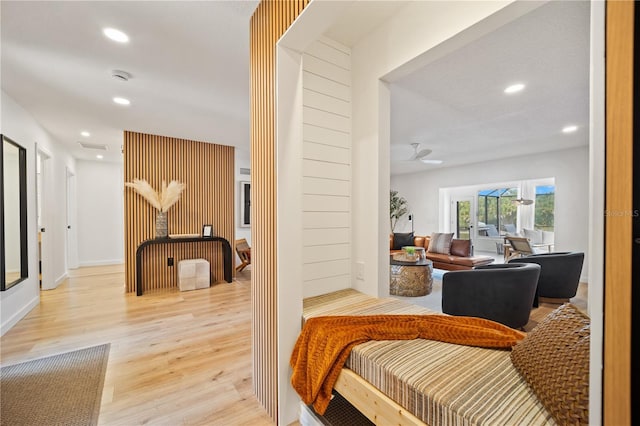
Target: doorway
x,y
70,234
43,196
462,210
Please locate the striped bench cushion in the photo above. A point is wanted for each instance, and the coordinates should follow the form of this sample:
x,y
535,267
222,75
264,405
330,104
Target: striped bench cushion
x,y
443,384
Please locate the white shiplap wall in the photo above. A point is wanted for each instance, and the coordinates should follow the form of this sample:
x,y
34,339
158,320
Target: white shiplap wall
x,y
326,168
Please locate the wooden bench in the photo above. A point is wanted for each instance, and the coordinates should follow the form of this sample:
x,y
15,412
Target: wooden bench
x,y
462,384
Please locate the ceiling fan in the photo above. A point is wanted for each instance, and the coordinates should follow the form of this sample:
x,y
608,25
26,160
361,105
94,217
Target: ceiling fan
x,y
420,154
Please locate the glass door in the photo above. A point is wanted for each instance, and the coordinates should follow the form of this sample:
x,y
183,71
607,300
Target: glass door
x,y
462,212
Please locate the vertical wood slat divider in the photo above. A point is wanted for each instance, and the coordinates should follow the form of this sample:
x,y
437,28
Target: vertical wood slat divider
x,y
270,20
208,173
617,385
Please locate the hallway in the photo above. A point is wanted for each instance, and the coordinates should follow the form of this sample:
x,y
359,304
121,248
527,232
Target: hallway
x,y
176,357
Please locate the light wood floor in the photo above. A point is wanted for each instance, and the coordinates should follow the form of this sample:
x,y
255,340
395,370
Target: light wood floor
x,y
176,358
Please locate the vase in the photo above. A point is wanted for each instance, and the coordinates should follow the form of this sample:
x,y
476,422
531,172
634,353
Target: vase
x,y
162,229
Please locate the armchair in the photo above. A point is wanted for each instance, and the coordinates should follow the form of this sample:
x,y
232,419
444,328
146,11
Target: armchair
x,y
501,292
516,247
559,273
244,253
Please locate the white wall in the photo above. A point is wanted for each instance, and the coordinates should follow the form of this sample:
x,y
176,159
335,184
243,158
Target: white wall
x,y
570,168
289,220
100,213
21,127
418,33
415,29
314,189
326,168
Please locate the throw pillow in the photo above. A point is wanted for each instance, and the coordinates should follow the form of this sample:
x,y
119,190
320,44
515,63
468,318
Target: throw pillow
x,y
554,360
402,239
460,247
440,243
534,236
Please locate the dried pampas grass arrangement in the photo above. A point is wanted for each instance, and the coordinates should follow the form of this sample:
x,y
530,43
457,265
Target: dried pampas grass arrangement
x,y
163,200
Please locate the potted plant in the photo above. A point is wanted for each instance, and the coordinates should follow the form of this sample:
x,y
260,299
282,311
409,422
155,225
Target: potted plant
x,y
398,208
410,253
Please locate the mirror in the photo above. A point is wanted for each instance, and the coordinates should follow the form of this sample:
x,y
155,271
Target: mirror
x,y
13,214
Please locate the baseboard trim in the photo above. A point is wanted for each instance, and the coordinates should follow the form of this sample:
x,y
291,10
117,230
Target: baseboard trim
x,y
9,323
101,262
60,279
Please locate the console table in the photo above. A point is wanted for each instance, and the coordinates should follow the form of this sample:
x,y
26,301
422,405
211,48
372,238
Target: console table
x,y
226,251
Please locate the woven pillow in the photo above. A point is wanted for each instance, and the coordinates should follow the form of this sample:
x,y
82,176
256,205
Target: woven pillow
x,y
554,360
440,243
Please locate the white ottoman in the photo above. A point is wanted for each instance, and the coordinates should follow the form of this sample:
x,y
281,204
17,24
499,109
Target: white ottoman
x,y
193,274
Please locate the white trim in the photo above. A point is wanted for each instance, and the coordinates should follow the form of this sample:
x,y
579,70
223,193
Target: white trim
x,y
289,219
13,320
102,262
60,280
307,417
595,267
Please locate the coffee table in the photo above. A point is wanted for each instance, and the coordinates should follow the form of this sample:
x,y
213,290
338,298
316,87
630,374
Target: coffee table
x,y
410,278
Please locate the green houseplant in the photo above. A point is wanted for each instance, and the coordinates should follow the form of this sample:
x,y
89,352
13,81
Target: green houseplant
x,y
397,208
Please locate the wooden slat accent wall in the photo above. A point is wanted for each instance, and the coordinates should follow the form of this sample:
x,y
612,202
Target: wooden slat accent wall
x,y
208,172
270,20
619,205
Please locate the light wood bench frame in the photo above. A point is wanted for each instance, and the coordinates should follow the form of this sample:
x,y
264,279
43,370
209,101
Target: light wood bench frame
x,y
372,403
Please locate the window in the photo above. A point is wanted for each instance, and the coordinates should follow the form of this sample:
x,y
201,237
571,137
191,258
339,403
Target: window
x,y
544,207
496,211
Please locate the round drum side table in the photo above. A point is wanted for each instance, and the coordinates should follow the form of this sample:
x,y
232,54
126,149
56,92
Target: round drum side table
x,y
410,278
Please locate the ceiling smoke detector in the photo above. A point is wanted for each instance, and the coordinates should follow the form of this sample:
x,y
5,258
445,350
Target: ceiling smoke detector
x,y
120,75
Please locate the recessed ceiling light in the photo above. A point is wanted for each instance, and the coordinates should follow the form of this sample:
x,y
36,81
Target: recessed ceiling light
x,y
121,101
514,88
569,129
85,133
99,157
116,35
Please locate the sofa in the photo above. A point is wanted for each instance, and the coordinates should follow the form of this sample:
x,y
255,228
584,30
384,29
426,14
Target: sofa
x,y
457,257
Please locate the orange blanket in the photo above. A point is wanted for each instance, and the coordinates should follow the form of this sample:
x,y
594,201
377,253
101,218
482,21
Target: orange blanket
x,y
325,343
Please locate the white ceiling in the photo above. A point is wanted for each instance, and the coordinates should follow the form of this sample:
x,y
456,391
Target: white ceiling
x,y
456,107
190,77
360,18
189,63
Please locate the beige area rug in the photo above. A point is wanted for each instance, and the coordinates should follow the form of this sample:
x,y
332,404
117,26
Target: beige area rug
x,y
63,389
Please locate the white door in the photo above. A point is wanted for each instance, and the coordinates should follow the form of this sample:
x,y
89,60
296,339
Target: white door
x,y
71,233
43,207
